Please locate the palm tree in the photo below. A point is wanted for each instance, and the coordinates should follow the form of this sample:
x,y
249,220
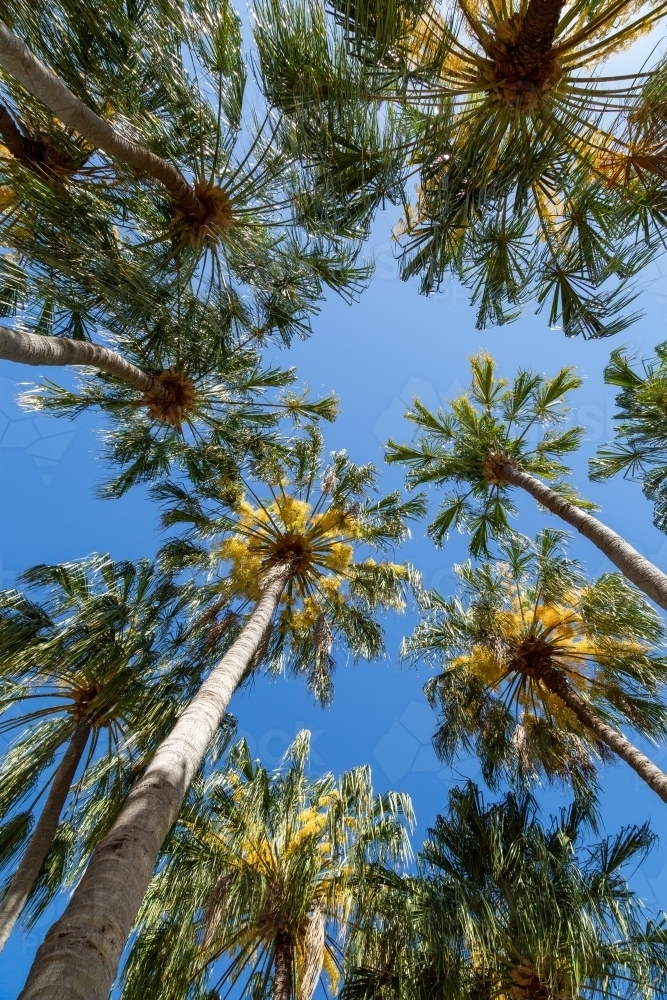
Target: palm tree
x,y
638,450
503,905
540,667
535,910
173,84
291,558
516,136
159,289
81,676
483,443
219,394
262,871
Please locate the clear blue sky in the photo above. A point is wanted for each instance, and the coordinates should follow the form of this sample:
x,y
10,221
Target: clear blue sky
x,y
377,355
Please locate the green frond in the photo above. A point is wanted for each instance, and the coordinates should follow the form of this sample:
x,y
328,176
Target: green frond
x,y
603,636
254,855
494,418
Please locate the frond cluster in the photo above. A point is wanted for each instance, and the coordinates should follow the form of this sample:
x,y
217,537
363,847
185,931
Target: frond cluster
x,y
540,174
316,519
513,625
259,857
640,446
494,424
507,905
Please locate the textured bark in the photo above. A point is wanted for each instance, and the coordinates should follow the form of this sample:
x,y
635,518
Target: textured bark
x,y
639,762
313,955
38,79
537,34
34,349
80,954
632,565
42,836
283,967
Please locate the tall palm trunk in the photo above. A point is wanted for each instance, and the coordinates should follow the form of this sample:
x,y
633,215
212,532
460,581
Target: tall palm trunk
x,y
80,954
283,967
632,565
537,34
38,79
559,685
34,349
42,837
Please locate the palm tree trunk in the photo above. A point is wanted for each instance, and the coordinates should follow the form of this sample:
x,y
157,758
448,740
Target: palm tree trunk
x,y
42,837
313,954
632,565
38,79
557,683
80,954
283,967
34,349
537,34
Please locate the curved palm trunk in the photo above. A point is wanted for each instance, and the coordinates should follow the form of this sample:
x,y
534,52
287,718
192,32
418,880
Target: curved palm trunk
x,y
80,954
34,349
38,79
283,967
42,837
639,762
537,34
632,565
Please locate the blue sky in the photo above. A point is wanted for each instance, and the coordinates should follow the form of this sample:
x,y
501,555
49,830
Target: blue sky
x,y
377,355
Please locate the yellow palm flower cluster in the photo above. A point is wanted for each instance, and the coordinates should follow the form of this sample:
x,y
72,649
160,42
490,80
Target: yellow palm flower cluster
x,y
302,836
526,640
318,544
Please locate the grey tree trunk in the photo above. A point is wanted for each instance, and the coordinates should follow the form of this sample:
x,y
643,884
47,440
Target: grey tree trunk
x,y
639,762
42,836
80,954
39,80
632,565
34,349
537,33
283,967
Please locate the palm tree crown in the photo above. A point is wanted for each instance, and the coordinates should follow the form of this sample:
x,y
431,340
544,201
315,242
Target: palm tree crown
x,y
504,905
315,520
172,88
515,159
517,625
484,443
88,662
639,448
219,396
486,428
266,866
520,144
536,912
